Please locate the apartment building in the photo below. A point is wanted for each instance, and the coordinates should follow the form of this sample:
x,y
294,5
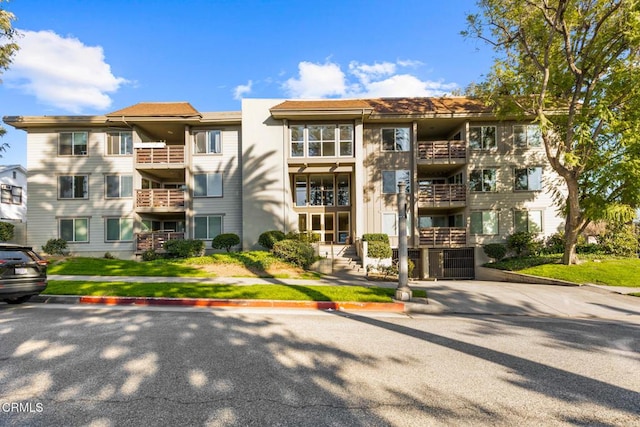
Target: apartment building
x,y
13,187
129,180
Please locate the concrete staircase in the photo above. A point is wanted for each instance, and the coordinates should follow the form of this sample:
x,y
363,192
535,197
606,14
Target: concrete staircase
x,y
346,261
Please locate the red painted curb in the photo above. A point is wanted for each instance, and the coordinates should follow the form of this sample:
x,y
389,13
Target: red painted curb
x,y
205,302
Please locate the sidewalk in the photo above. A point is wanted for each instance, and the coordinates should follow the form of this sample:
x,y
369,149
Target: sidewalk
x,y
444,297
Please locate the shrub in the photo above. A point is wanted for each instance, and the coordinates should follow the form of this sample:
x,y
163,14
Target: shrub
x,y
55,247
375,237
555,244
6,231
303,236
149,255
107,255
225,241
589,249
378,249
295,252
523,243
497,251
620,240
269,238
184,248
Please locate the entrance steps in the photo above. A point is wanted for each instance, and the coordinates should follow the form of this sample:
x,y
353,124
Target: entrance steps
x,y
346,261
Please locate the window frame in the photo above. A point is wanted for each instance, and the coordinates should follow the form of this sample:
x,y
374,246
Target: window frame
x,y
128,146
395,139
485,231
396,180
494,187
528,213
73,144
217,144
303,142
11,194
528,169
73,188
527,136
74,220
120,227
482,146
208,225
209,193
120,177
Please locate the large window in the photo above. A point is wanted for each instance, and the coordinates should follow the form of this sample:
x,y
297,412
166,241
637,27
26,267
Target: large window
x,y
322,190
207,227
525,136
72,143
529,221
119,229
396,139
484,222
208,142
73,187
528,179
119,143
321,140
119,186
207,185
11,194
391,179
482,137
74,229
482,180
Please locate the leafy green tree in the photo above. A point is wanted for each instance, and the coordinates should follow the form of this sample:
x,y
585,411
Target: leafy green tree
x,y
573,66
8,48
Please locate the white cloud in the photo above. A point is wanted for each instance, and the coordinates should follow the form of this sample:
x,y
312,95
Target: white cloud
x,y
242,90
62,72
380,79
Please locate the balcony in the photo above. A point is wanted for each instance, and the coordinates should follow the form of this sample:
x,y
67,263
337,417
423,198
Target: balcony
x,y
155,240
443,237
160,200
169,155
442,152
442,195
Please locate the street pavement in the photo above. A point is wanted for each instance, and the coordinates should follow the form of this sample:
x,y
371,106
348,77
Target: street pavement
x,y
444,297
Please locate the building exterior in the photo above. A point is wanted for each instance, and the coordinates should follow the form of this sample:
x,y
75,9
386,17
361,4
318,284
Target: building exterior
x,y
13,200
126,181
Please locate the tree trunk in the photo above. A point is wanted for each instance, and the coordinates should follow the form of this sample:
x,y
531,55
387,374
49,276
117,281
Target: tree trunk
x,y
573,222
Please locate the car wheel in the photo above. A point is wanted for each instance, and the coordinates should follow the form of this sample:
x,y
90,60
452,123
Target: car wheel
x,y
19,300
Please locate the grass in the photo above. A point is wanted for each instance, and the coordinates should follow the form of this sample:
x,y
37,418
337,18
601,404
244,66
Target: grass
x,y
199,290
599,270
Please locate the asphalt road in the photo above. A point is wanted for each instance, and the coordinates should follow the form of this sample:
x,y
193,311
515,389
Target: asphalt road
x,y
96,366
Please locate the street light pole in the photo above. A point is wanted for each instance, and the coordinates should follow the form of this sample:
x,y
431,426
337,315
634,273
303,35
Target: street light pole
x,y
403,291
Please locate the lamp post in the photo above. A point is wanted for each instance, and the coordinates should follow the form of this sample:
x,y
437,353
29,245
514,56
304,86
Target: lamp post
x,y
403,292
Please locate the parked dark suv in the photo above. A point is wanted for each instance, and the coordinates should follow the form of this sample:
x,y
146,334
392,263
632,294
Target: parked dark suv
x,y
23,273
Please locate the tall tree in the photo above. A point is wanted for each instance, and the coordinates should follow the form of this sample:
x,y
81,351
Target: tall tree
x,y
8,48
574,65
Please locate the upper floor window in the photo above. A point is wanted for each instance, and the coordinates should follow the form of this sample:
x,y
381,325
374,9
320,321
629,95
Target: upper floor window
x,y
72,143
529,221
208,142
391,180
528,179
207,185
119,186
321,140
396,139
525,136
119,143
482,180
482,137
11,194
73,187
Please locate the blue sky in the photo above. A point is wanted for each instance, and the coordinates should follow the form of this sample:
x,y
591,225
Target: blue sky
x,y
94,57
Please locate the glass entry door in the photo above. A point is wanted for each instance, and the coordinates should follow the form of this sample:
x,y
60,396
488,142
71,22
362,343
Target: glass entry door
x,y
324,225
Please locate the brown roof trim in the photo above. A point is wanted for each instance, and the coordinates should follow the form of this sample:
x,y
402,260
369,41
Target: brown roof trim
x,y
157,109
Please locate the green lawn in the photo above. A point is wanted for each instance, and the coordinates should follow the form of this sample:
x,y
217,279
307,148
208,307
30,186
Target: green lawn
x,y
598,270
199,290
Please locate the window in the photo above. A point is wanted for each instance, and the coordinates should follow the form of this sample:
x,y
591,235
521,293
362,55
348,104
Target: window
x,y
74,229
73,187
321,140
390,224
484,222
395,139
11,194
343,190
207,227
119,143
119,229
528,179
482,137
391,179
72,144
482,180
208,142
526,136
432,221
119,186
321,190
207,185
529,221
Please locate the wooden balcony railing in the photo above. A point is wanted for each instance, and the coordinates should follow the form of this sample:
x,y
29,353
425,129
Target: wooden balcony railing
x,y
155,240
443,236
442,150
441,194
168,198
171,154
